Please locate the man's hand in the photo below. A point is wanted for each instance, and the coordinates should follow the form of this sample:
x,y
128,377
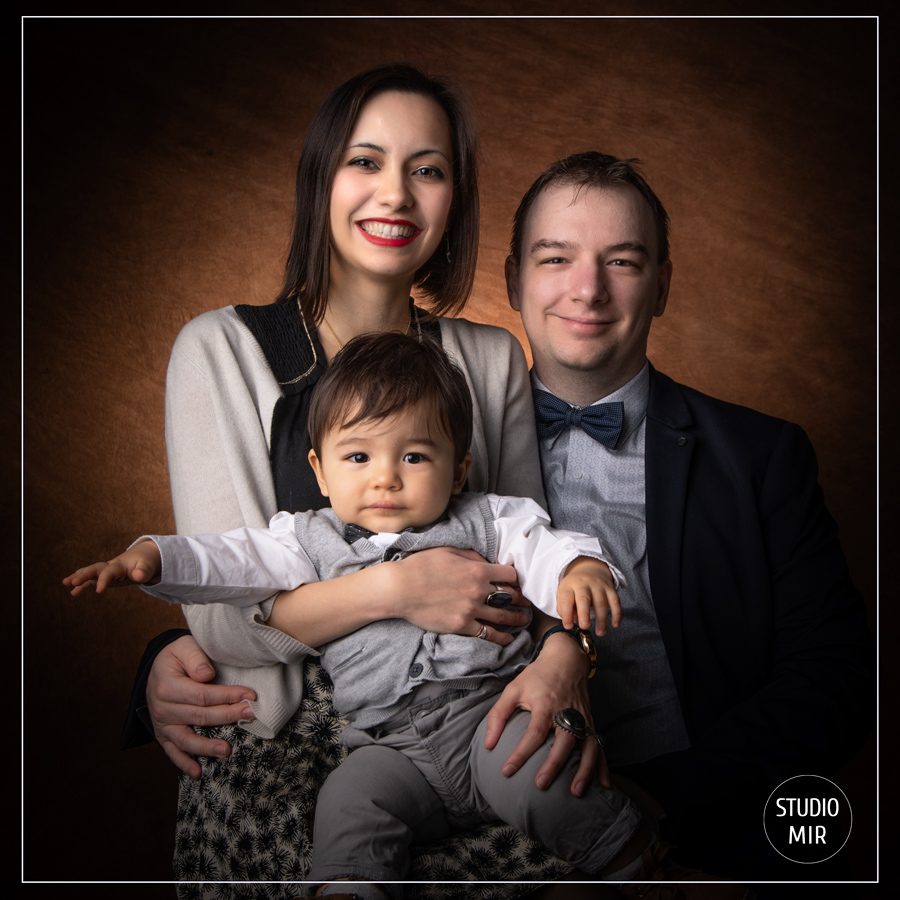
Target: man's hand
x,y
137,565
178,698
555,680
588,585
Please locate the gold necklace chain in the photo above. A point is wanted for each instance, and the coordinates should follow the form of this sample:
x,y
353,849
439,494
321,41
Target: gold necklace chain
x,y
337,340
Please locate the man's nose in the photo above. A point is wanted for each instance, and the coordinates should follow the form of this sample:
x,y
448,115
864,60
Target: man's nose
x,y
590,284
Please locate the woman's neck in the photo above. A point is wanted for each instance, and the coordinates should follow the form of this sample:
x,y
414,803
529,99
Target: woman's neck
x,y
363,308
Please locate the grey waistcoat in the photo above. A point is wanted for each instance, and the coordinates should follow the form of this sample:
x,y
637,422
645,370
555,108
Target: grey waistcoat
x,y
376,668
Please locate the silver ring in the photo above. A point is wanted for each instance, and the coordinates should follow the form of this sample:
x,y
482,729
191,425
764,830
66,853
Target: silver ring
x,y
500,598
571,720
483,633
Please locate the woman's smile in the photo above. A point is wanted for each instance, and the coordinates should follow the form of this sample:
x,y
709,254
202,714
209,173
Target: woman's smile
x,y
389,232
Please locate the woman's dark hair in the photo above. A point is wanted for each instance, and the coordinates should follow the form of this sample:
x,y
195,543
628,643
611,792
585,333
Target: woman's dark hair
x,y
447,284
592,170
380,375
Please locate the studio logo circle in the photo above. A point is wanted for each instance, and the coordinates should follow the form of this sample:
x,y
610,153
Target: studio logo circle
x,y
808,819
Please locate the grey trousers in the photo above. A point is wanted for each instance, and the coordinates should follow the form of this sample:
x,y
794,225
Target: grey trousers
x,y
429,775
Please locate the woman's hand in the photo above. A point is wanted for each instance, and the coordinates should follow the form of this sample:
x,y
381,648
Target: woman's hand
x,y
445,590
557,679
178,698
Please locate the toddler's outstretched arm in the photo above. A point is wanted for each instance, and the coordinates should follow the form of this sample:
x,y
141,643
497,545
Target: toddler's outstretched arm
x,y
137,565
588,585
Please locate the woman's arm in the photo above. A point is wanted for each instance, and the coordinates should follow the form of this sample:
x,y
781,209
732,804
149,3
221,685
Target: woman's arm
x,y
440,590
219,392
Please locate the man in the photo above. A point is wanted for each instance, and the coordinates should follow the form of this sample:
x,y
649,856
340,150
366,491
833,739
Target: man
x,y
743,658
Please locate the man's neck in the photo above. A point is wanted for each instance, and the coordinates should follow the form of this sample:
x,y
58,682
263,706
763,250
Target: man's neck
x,y
582,389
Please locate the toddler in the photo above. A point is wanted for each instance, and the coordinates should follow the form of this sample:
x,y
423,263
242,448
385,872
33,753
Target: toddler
x,y
390,425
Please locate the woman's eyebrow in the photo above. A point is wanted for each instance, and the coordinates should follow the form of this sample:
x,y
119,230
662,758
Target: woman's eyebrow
x,y
367,145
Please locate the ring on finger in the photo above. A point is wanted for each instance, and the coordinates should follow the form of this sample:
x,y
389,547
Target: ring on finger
x,y
499,598
483,633
571,720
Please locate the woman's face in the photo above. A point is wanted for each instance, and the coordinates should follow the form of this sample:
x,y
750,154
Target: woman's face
x,y
392,190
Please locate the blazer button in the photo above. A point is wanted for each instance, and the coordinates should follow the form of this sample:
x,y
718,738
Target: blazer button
x,y
415,670
682,441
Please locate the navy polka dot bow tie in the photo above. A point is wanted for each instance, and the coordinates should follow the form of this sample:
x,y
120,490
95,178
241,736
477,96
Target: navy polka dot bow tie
x,y
603,421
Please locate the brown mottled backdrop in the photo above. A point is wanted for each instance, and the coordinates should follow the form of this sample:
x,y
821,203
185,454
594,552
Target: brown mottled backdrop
x,y
159,161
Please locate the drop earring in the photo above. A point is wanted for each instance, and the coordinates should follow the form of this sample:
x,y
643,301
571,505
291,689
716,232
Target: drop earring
x,y
447,240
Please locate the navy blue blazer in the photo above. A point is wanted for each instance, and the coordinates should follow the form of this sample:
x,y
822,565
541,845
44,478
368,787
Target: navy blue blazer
x,y
765,633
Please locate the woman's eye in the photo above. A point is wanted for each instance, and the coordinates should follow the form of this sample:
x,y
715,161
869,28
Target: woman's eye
x,y
429,172
363,162
414,458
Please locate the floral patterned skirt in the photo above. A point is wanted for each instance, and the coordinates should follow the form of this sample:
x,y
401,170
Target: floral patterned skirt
x,y
245,829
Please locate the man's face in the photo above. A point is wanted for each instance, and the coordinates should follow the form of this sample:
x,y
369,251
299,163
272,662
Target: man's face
x,y
588,286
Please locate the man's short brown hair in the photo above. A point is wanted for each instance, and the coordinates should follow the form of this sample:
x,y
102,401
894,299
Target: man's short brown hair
x,y
379,375
598,170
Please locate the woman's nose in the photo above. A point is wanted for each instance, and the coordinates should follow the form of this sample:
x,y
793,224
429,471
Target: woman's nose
x,y
393,189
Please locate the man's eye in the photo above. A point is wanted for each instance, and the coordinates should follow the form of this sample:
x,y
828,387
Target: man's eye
x,y
414,458
552,261
622,262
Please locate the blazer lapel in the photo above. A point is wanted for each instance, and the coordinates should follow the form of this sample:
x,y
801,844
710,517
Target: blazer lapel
x,y
669,447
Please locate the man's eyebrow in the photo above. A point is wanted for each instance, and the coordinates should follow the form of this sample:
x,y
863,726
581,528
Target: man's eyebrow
x,y
626,246
623,247
427,151
547,244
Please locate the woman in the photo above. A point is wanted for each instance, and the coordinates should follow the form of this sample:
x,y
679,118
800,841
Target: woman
x,y
386,200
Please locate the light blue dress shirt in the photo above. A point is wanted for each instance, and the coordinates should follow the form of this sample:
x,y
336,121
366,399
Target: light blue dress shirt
x,y
599,491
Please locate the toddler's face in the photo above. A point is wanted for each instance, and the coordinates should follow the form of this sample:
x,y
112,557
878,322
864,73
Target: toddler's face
x,y
389,474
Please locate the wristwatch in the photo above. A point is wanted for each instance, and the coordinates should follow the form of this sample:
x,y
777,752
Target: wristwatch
x,y
584,640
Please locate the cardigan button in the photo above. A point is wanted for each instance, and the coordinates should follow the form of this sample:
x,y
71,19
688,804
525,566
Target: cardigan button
x,y
682,441
415,670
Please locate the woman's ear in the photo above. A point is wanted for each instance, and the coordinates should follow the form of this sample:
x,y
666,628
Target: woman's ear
x,y
462,472
317,468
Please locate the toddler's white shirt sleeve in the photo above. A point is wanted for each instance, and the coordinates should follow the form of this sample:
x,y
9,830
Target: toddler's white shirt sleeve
x,y
240,568
538,552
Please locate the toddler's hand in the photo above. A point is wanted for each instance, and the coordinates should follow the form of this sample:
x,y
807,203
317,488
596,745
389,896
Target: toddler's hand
x,y
588,584
137,565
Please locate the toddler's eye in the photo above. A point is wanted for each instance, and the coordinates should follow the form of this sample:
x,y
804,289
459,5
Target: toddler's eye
x,y
414,458
358,457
